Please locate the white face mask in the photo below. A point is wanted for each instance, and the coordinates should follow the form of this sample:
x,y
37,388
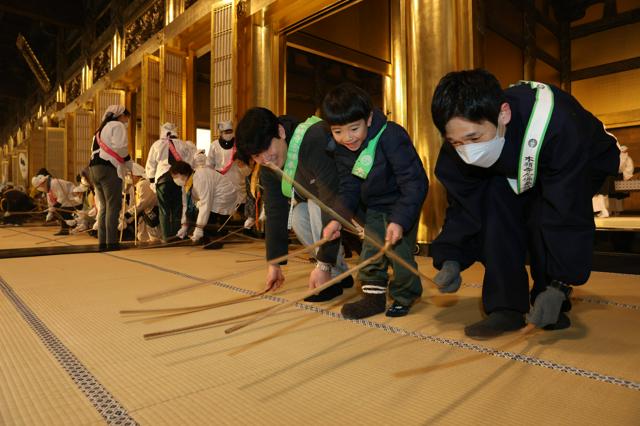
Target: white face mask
x,y
482,154
180,180
42,188
227,137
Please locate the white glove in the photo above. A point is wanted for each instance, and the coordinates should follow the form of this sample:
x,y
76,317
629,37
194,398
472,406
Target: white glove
x,y
263,215
49,216
182,233
198,233
626,164
120,225
71,223
248,224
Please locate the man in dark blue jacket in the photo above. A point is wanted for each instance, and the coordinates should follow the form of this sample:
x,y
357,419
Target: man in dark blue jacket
x,y
379,167
301,150
520,167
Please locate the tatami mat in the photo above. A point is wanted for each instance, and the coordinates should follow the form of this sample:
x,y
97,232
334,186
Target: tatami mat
x,y
305,364
15,237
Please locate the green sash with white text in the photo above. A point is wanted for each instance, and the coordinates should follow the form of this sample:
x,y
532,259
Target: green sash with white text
x,y
364,163
533,138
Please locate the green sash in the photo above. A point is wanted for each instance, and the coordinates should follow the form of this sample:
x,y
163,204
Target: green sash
x,y
363,164
533,138
291,165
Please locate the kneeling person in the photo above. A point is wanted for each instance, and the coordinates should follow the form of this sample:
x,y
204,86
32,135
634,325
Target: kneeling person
x,y
207,196
301,150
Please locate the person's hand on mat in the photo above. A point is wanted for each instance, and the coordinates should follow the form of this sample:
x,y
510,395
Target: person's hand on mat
x,y
275,277
197,235
546,308
332,230
394,233
448,279
318,277
182,233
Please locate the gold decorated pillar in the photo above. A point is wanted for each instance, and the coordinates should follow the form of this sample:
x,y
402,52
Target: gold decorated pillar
x,y
395,85
264,51
439,40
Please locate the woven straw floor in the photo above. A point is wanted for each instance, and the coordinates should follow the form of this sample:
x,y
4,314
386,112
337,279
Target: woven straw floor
x,y
69,358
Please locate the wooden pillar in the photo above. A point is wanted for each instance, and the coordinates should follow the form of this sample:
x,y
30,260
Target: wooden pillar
x,y
565,56
529,35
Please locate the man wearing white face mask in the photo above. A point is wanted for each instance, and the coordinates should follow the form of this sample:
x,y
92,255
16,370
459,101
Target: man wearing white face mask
x,y
165,152
222,157
520,167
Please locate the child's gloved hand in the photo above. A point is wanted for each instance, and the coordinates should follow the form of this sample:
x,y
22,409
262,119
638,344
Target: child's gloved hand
x,y
448,279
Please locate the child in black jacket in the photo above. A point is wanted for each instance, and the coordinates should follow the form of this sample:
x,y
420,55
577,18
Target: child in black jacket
x,y
379,167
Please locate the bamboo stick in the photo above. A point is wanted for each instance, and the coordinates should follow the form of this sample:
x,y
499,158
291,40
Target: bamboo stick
x,y
316,290
195,327
345,223
165,293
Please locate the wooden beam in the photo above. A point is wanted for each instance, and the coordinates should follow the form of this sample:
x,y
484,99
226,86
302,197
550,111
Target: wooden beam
x,y
546,22
529,38
540,18
520,43
626,18
605,69
565,58
36,12
550,60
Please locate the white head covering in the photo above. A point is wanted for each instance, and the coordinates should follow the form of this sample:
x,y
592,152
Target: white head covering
x,y
200,159
38,180
138,170
225,125
114,110
168,129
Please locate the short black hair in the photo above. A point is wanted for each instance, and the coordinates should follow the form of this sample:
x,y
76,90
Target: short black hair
x,y
345,104
43,172
255,132
181,168
474,95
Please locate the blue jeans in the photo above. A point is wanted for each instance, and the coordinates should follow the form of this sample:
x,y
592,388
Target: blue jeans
x,y
307,224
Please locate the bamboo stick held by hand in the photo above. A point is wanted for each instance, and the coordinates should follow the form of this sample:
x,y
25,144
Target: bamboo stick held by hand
x,y
277,260
346,224
316,290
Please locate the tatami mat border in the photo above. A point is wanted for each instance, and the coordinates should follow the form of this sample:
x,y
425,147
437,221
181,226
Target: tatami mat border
x,y
107,406
418,335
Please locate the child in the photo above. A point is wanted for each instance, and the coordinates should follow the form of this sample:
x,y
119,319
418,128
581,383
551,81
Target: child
x,y
379,167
